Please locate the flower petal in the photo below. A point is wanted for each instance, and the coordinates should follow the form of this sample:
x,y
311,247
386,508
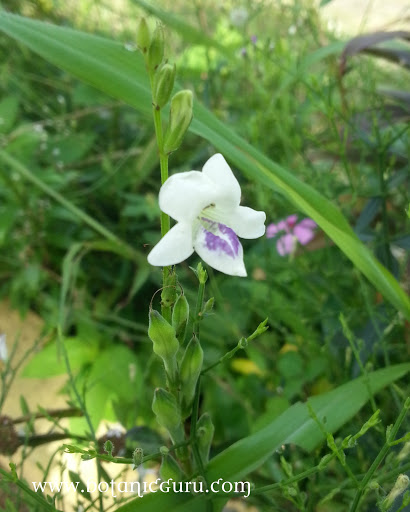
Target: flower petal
x,y
308,223
286,244
184,195
291,220
246,222
174,247
219,246
218,171
304,233
273,229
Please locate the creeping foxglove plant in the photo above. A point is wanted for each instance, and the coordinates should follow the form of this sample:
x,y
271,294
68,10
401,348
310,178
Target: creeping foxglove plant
x,y
209,219
294,232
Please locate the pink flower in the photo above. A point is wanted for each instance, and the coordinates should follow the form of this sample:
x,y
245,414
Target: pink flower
x,y
294,232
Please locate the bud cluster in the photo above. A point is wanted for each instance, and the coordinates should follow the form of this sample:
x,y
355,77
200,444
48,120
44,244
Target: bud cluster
x,y
162,77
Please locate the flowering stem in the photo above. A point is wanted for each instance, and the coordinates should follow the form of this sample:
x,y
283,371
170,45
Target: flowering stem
x,y
224,358
163,162
391,435
165,220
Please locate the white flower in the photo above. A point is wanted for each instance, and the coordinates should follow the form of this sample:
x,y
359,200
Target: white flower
x,y
3,348
209,219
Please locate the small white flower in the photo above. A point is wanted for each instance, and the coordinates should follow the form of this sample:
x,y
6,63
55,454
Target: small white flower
x,y
209,219
239,16
3,348
292,30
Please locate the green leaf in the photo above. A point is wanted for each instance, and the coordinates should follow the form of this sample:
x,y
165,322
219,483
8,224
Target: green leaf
x,y
295,425
115,376
8,113
46,363
110,67
81,487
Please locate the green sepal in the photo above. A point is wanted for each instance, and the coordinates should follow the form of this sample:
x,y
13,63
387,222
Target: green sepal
x,y
155,53
205,434
180,118
190,369
164,80
180,317
143,37
170,469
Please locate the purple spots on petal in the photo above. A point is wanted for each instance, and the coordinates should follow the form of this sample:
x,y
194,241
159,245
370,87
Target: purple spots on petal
x,y
233,239
215,243
228,243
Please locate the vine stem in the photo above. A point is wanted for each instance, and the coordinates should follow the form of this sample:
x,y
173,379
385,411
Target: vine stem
x,y
383,452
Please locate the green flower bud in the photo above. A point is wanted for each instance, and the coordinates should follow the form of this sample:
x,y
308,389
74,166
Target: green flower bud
x,y
198,486
404,452
166,410
143,38
400,486
243,343
170,469
180,316
155,54
163,450
374,485
180,118
205,432
324,461
163,84
201,273
165,344
108,447
191,366
287,468
137,457
209,305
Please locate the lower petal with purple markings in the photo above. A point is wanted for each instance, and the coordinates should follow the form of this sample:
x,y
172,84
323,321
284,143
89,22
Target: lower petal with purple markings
x,y
218,245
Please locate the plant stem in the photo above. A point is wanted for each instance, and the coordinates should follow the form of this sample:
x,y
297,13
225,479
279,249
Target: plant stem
x,y
383,452
222,359
163,162
165,220
30,494
199,304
